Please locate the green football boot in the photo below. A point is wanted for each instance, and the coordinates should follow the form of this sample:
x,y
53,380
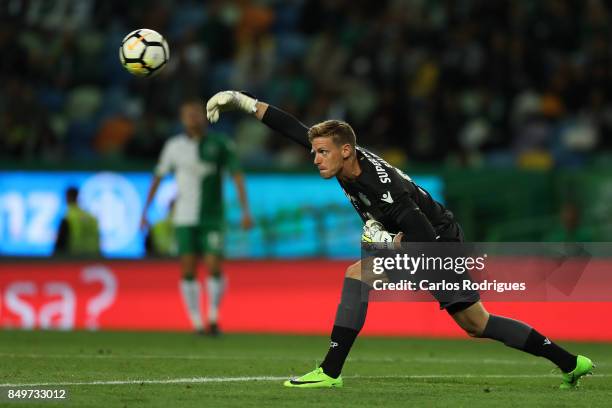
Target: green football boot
x,y
314,379
584,366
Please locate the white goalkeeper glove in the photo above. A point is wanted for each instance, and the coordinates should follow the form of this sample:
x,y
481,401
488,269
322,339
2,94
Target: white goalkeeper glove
x,y
229,100
373,231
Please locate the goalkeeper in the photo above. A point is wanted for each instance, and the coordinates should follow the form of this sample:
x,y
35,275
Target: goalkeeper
x,y
389,202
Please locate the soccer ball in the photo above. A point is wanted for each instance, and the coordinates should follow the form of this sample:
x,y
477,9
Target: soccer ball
x,y
144,52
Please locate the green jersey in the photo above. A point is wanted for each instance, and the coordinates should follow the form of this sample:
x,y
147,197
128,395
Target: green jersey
x,y
198,167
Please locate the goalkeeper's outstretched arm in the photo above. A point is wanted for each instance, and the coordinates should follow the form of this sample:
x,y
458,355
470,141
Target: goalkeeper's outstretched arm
x,y
274,118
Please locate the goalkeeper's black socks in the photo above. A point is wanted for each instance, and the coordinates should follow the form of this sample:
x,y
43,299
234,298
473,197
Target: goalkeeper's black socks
x,y
521,336
539,345
350,317
342,339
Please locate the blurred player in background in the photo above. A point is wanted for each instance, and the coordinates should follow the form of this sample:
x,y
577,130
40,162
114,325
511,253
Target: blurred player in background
x,y
198,159
387,200
78,233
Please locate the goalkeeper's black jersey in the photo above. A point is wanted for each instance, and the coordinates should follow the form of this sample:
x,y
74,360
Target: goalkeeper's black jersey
x,y
381,191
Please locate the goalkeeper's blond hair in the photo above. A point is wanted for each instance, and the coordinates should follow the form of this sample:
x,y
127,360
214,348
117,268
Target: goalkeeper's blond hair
x,y
341,132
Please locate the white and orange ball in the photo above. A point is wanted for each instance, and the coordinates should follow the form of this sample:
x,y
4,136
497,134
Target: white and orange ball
x,y
144,52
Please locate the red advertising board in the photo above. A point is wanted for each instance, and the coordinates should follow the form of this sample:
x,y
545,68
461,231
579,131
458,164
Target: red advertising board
x,y
262,296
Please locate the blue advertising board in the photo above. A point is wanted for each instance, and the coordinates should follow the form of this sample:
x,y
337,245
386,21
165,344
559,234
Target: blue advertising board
x,y
295,215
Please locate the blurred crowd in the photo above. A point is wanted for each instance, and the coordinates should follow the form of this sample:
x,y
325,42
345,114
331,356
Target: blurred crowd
x,y
504,83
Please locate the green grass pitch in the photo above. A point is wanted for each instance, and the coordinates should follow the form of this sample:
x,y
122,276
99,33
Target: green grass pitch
x,y
128,369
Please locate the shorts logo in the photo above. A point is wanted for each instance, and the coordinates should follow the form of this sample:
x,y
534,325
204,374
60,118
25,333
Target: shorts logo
x,y
546,342
333,344
214,240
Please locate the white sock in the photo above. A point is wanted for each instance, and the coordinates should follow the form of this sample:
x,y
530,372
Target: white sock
x,y
216,287
191,296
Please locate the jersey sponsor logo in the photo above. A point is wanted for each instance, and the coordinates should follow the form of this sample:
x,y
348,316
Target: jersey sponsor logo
x,y
387,197
382,175
378,163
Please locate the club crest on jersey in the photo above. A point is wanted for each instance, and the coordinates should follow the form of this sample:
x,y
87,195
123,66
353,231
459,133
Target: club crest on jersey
x,y
364,199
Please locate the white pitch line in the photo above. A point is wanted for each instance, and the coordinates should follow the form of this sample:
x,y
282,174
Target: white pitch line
x,y
426,376
143,381
202,380
284,358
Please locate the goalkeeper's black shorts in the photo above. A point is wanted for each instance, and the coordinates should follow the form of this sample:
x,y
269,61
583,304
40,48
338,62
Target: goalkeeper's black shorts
x,y
452,300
